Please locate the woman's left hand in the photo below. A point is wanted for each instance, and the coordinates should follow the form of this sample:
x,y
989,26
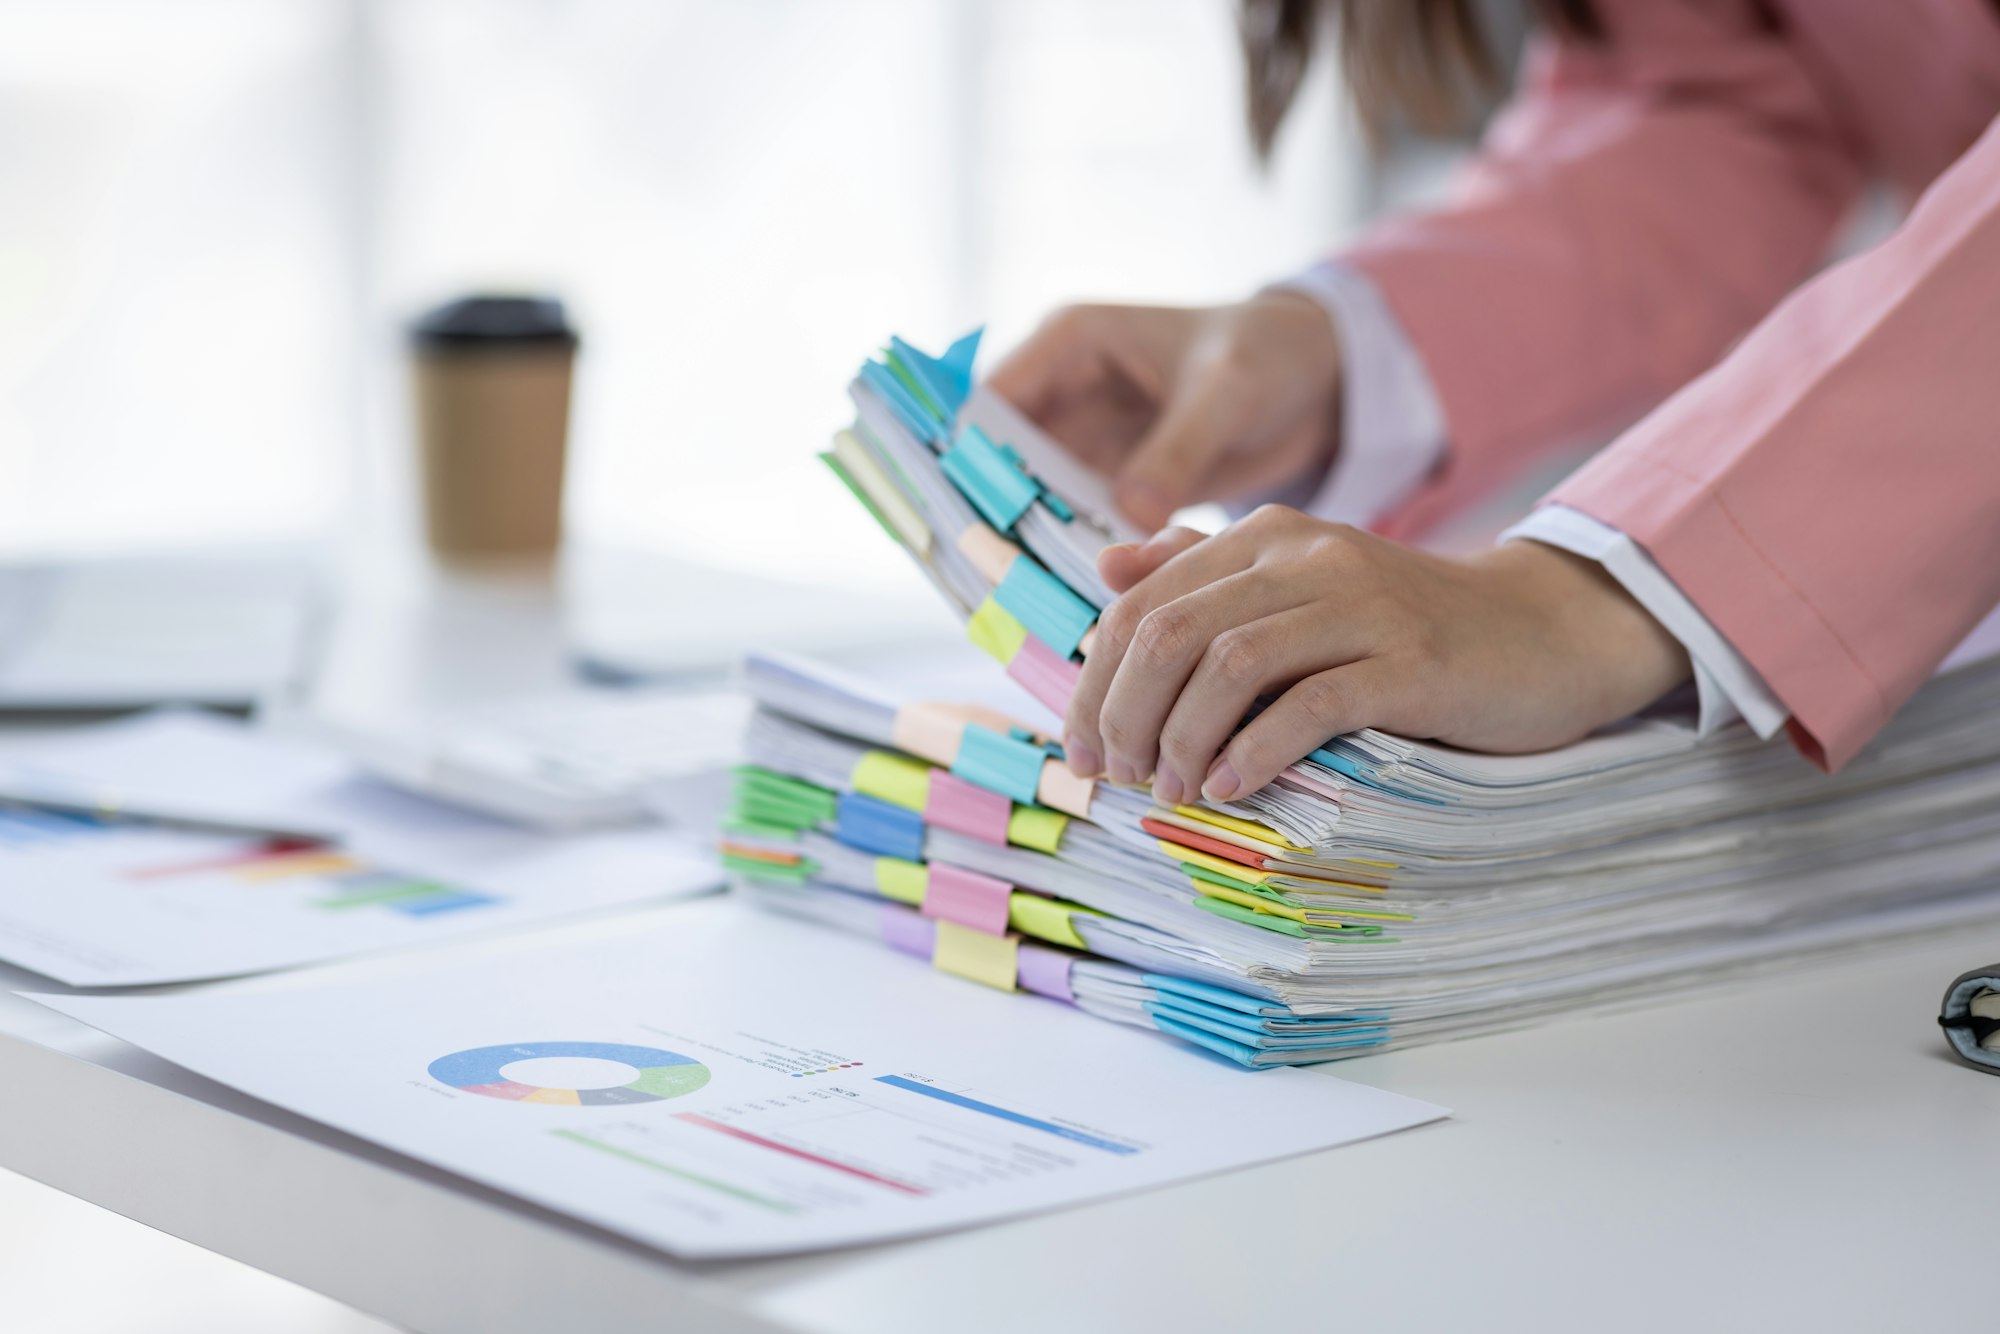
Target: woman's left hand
x,y
1519,648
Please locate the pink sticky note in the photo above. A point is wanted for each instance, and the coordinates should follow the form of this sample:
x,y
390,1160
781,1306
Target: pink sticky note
x,y
966,808
1045,972
968,898
1041,673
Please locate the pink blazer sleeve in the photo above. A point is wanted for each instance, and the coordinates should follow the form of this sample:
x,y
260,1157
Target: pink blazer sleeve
x,y
1639,205
1829,495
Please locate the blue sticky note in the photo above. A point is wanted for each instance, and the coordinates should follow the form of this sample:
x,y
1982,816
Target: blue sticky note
x,y
924,424
948,384
877,826
991,477
1045,604
999,763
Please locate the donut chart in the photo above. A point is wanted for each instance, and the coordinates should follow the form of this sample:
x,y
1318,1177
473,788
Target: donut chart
x,y
662,1074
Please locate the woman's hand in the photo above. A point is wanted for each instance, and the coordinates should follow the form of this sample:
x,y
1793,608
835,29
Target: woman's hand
x,y
1184,405
1519,648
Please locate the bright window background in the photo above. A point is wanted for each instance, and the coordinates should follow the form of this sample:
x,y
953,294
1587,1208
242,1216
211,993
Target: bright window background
x,y
218,214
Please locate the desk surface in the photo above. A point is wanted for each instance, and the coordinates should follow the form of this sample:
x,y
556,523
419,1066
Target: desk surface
x,y
1791,1152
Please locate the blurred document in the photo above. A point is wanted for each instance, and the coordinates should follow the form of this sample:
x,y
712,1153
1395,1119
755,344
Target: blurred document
x,y
94,903
126,633
726,1083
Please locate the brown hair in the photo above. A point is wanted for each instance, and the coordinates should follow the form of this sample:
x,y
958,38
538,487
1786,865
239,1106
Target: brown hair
x,y
1426,61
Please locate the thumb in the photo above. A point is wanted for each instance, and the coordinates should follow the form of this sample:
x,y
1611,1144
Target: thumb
x,y
1170,463
1124,564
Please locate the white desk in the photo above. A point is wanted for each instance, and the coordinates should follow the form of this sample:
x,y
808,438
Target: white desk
x,y
1793,1153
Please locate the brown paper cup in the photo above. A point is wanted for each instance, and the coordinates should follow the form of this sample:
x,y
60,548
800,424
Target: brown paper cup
x,y
492,387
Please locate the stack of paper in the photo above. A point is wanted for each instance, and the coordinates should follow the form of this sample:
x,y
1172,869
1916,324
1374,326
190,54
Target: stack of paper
x,y
1381,891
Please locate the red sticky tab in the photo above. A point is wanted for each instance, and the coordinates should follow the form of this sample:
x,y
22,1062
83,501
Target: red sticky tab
x,y
1050,679
968,898
1215,847
967,808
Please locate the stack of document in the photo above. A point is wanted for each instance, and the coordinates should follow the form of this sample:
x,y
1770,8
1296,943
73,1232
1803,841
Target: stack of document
x,y
1381,891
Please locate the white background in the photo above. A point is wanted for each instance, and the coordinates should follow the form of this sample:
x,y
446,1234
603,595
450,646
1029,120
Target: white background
x,y
218,214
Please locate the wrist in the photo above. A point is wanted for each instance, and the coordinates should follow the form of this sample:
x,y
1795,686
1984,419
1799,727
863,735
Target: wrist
x,y
1623,658
1308,328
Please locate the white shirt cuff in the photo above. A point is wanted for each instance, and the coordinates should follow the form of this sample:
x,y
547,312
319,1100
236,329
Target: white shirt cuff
x,y
1392,430
1727,685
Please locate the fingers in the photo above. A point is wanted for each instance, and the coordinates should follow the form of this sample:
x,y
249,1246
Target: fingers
x,y
1153,679
1241,664
1170,463
1304,718
1032,375
1124,564
1199,564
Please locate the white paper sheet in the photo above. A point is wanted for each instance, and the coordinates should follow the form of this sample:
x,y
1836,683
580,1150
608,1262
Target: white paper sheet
x,y
128,905
726,1083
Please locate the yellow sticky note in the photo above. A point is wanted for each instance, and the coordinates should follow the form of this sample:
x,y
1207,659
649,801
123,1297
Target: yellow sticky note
x,y
905,882
993,960
1046,919
1234,870
1034,827
996,632
896,779
1247,828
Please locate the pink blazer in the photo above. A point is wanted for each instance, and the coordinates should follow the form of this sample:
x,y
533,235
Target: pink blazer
x,y
1827,490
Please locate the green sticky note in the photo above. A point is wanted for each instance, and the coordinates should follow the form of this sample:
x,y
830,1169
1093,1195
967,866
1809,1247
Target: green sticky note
x,y
1036,827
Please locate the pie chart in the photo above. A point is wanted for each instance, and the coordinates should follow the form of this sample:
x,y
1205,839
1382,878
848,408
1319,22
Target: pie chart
x,y
481,1070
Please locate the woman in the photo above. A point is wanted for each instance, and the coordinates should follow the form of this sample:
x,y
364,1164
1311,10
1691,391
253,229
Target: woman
x,y
1805,526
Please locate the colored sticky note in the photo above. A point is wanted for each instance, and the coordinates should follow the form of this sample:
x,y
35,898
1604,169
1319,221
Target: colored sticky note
x,y
1045,605
978,902
965,808
975,955
999,762
861,471
996,632
1037,827
990,476
896,779
1247,828
903,881
1045,919
877,826
1051,680
1045,972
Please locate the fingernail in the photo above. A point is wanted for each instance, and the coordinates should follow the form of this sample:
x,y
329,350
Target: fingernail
x,y
1122,771
1167,788
1222,784
1083,761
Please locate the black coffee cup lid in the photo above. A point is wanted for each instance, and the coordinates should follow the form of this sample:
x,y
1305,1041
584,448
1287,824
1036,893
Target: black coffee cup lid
x,y
474,322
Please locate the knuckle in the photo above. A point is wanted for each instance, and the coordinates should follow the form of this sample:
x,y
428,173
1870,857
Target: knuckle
x,y
1269,517
1117,624
1119,734
1324,703
1237,658
1177,752
1165,637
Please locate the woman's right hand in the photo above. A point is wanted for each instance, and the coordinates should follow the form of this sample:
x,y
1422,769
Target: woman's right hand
x,y
1180,405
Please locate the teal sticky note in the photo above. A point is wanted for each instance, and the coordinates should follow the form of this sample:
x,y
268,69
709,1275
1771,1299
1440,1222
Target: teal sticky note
x,y
999,763
1045,604
988,477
